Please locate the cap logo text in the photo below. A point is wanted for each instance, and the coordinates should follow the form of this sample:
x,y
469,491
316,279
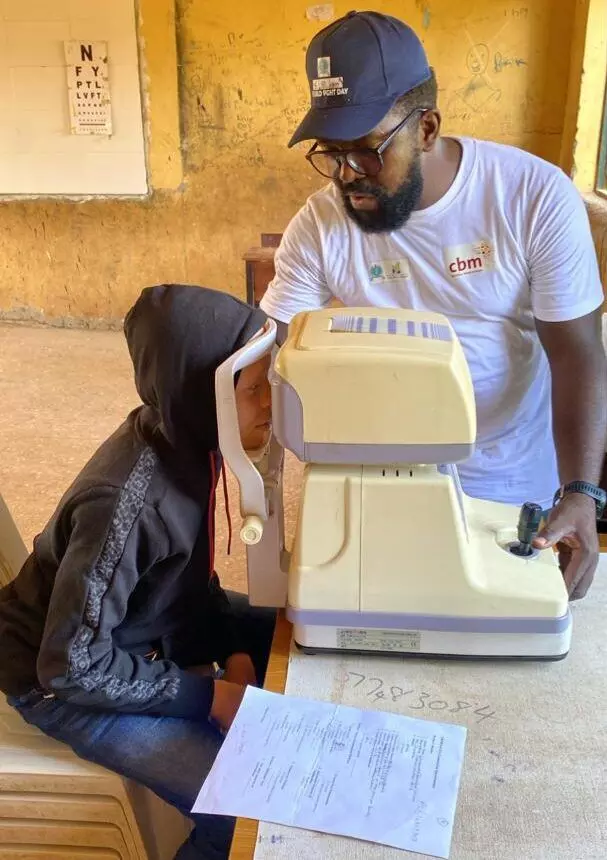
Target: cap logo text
x,y
324,87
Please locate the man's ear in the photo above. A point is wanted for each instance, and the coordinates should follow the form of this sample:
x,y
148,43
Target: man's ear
x,y
429,129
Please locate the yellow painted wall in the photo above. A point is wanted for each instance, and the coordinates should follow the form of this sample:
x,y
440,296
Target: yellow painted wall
x,y
503,71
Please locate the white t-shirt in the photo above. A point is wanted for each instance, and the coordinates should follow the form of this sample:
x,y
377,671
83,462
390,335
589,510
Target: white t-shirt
x,y
508,242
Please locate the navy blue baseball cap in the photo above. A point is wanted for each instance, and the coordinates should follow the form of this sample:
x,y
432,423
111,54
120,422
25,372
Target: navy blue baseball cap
x,y
357,68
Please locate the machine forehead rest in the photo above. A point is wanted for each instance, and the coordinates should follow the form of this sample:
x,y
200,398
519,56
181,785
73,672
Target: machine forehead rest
x,y
373,386
391,325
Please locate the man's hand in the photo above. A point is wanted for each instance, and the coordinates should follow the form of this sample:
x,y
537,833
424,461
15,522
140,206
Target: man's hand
x,y
227,698
571,527
240,670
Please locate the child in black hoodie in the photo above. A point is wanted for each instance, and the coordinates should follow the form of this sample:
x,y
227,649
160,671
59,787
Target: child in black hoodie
x,y
107,633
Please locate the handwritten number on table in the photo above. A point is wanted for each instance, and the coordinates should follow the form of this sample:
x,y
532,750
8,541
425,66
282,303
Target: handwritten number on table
x,y
479,711
374,690
362,677
461,706
422,703
380,684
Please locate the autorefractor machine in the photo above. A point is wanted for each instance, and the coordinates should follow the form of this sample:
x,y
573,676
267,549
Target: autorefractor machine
x,y
389,555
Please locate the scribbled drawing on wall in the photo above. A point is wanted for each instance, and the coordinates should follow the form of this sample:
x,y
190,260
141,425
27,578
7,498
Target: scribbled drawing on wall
x,y
424,8
320,12
478,92
500,62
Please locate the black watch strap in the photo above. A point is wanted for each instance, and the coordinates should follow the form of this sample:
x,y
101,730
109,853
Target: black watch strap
x,y
587,489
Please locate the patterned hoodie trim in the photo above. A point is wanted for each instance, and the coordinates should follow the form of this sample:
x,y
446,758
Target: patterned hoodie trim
x,y
80,669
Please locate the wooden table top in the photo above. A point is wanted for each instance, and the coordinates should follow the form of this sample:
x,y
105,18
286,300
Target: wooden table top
x,y
245,834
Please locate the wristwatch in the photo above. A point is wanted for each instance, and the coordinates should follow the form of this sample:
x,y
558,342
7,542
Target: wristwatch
x,y
587,489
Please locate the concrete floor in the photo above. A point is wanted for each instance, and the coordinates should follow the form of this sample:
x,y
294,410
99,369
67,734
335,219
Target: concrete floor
x,y
62,392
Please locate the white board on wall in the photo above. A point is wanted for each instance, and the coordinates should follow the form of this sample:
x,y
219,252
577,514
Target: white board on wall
x,y
39,154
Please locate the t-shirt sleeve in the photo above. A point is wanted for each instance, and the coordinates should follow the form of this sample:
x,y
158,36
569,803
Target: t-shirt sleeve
x,y
565,279
299,283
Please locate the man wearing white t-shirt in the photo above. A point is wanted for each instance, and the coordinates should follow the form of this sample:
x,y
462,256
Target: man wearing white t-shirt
x,y
494,238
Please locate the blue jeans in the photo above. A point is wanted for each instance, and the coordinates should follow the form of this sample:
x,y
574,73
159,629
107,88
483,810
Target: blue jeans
x,y
169,756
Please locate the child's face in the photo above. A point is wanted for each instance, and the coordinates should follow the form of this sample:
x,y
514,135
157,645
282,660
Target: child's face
x,y
254,404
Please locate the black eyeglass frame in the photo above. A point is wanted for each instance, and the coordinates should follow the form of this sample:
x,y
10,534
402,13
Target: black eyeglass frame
x,y
344,155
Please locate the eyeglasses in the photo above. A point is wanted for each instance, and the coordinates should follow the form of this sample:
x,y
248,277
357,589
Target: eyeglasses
x,y
366,162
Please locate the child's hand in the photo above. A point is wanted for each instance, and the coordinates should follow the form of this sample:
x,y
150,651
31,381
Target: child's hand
x,y
205,671
227,698
240,670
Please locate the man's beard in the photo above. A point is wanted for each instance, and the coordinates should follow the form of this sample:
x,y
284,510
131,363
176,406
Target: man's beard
x,y
393,210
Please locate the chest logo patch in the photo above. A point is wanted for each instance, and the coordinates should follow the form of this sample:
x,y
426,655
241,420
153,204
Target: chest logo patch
x,y
389,270
470,259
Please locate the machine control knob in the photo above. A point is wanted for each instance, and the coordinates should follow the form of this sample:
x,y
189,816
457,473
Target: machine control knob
x,y
529,522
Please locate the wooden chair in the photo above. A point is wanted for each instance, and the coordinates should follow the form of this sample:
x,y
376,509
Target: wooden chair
x,y
259,266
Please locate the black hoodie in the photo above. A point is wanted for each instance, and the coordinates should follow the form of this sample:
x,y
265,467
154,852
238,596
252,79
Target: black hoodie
x,y
125,566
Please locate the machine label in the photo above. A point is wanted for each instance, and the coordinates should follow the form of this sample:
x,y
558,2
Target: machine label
x,y
365,639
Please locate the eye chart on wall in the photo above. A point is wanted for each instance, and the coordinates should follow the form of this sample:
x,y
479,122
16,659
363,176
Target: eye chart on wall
x,y
88,87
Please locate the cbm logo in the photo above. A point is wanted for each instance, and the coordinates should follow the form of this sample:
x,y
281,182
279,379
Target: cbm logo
x,y
458,266
470,259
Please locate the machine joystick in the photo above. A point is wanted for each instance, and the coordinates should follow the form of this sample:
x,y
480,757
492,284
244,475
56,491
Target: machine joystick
x,y
529,522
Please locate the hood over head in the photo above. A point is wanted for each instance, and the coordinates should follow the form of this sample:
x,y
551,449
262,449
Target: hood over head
x,y
178,336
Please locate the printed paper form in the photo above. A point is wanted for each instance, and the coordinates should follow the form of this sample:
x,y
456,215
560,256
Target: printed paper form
x,y
366,774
